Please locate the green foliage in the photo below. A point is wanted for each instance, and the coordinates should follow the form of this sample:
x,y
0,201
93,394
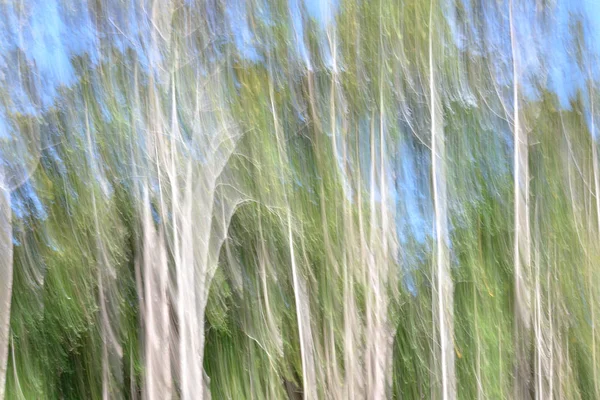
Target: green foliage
x,y
328,261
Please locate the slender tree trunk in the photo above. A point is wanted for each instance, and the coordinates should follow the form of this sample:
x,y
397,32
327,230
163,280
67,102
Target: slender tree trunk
x,y
444,284
597,196
522,257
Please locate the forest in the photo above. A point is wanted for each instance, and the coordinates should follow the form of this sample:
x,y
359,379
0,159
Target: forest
x,y
299,199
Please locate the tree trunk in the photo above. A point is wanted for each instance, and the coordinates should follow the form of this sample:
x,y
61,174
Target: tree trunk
x,y
444,284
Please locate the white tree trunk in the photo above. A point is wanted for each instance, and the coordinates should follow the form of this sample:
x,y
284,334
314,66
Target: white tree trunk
x,y
522,256
444,284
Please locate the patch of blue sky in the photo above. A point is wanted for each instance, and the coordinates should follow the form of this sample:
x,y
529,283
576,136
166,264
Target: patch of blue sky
x,y
9,32
498,43
43,45
15,241
542,52
413,229
48,44
325,52
118,24
243,37
450,15
298,33
79,34
137,37
390,178
565,81
590,17
410,260
4,126
8,36
590,11
25,203
104,110
128,29
565,76
591,121
528,49
412,196
496,28
322,11
214,27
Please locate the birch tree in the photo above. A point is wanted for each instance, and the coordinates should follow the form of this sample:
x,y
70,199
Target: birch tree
x,y
443,277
